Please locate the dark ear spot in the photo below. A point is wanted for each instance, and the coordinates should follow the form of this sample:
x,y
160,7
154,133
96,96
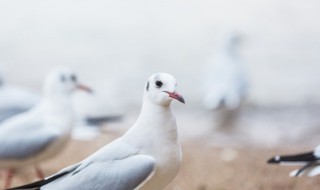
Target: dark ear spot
x,y
147,86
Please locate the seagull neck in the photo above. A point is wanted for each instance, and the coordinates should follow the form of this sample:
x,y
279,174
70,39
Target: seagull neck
x,y
151,110
56,97
154,120
58,105
58,114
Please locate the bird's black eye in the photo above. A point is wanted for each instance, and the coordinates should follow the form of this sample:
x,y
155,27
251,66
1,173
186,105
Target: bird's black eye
x,y
62,78
74,78
159,84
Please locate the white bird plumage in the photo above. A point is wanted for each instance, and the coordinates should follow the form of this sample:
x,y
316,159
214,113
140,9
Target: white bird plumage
x,y
39,134
147,157
225,80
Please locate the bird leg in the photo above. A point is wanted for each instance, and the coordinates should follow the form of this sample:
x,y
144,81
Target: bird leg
x,y
304,168
8,178
39,172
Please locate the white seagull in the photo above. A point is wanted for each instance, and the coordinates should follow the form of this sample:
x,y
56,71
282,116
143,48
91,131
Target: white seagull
x,y
225,80
93,112
94,109
39,134
309,160
15,100
146,157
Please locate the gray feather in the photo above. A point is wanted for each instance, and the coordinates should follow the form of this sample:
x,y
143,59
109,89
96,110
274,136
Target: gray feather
x,y
116,166
25,144
7,113
124,174
24,135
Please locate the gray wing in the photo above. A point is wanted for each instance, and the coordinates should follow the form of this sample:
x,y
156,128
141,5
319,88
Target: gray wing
x,y
24,135
7,113
124,174
24,144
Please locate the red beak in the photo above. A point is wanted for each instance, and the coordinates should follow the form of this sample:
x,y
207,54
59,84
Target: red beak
x,y
84,88
176,95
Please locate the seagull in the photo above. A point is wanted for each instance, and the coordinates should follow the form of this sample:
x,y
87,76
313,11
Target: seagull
x,y
15,100
40,133
309,160
87,107
147,157
92,114
225,82
94,109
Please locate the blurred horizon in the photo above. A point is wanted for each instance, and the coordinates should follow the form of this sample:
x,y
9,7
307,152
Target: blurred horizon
x,y
117,45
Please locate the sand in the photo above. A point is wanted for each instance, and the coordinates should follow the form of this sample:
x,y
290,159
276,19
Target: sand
x,y
205,167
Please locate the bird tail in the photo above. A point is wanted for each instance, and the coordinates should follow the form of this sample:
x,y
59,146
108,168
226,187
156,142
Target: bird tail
x,y
38,184
294,159
101,120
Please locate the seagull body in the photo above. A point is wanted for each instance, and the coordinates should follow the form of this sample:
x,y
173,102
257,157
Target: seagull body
x,y
225,80
32,126
156,132
309,160
146,157
33,136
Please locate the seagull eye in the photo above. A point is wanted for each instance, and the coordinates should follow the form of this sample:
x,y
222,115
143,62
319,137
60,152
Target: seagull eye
x,y
73,78
158,84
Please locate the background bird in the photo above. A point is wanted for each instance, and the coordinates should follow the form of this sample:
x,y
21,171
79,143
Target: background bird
x,y
93,112
147,156
88,108
39,134
225,81
309,160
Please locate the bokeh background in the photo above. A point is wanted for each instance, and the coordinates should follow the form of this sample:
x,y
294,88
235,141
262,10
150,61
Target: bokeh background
x,y
113,42
116,45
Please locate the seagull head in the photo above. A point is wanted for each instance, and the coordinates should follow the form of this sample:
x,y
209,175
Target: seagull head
x,y
63,81
161,89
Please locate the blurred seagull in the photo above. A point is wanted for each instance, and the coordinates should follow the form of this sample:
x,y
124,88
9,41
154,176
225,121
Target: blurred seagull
x,y
15,100
39,134
92,109
225,80
147,157
309,160
92,113
226,83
